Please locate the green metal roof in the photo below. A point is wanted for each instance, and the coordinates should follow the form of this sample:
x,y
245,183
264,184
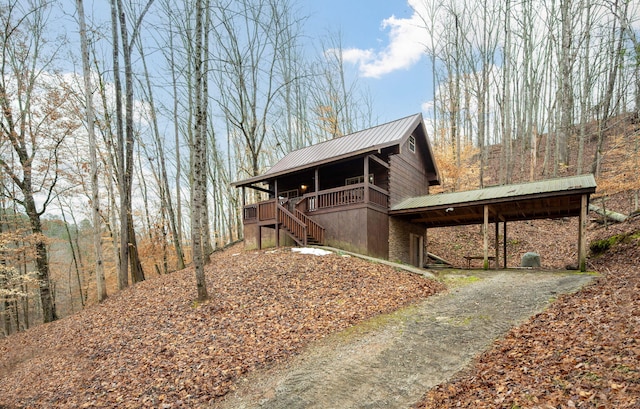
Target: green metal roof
x,y
547,187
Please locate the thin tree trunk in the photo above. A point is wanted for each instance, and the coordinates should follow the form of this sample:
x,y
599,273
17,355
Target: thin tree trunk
x,y
166,197
123,272
74,257
178,218
95,199
586,89
197,162
506,98
565,82
615,54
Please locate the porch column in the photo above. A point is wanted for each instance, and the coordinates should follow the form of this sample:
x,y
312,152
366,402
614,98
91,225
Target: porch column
x,y
582,248
485,230
366,179
316,189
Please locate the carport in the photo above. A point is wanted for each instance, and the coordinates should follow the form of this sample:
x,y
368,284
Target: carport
x,y
547,199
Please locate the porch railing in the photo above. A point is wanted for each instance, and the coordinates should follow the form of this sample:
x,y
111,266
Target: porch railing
x,y
258,212
378,196
325,199
345,196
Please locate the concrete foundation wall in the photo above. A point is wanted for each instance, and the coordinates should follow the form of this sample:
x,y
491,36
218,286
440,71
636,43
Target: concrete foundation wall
x,y
268,237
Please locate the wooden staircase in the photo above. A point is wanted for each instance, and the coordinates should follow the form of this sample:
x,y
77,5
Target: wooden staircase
x,y
300,227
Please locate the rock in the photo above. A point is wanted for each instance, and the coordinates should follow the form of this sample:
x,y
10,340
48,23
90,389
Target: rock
x,y
530,260
571,267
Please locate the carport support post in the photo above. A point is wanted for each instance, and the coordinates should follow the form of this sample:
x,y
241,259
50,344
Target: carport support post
x,y
497,243
582,248
485,231
277,227
504,243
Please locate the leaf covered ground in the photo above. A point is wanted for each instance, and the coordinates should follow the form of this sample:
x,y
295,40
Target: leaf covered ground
x,y
582,352
151,345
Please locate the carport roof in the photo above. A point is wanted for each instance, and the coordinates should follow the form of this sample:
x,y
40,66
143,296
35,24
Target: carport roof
x,y
552,198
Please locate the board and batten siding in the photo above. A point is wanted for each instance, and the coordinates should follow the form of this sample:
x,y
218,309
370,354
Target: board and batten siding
x,y
407,174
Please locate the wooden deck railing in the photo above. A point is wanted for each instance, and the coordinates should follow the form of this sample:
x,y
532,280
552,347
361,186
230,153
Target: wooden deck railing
x,y
341,196
258,212
294,225
378,196
325,199
314,230
345,196
250,214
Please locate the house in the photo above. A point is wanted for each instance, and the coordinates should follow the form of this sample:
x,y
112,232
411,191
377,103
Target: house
x,y
339,192
368,192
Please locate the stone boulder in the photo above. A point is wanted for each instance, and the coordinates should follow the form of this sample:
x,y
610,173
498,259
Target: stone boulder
x,y
530,259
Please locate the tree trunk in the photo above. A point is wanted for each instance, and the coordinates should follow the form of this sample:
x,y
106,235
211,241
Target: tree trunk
x,y
123,271
608,214
198,161
566,82
42,259
95,199
615,55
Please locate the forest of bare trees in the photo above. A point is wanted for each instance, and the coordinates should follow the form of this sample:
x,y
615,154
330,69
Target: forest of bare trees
x,y
122,131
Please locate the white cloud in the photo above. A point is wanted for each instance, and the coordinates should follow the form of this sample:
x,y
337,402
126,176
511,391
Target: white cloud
x,y
405,48
357,55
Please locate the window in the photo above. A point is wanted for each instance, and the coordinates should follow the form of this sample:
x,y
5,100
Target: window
x,y
412,143
357,179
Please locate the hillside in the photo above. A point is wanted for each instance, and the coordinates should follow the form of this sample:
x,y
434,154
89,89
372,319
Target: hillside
x,y
582,352
152,346
555,240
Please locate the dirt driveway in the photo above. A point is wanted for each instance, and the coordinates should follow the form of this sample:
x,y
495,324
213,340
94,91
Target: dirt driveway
x,y
391,361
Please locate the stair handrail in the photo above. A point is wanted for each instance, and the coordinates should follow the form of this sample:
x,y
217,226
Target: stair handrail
x,y
297,227
315,230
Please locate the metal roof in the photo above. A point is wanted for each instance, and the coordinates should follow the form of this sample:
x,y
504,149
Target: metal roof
x,y
499,192
552,198
372,139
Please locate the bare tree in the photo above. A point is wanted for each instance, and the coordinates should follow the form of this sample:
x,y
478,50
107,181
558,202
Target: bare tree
x,y
31,126
89,113
248,36
565,82
340,105
615,56
165,190
128,247
198,152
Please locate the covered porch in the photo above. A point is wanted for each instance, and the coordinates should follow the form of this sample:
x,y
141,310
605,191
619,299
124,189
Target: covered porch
x,y
293,200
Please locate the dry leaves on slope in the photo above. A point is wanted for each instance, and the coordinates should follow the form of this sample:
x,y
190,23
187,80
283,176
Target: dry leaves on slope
x,y
583,352
152,346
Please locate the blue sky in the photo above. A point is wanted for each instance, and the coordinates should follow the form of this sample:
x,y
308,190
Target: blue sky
x,y
377,52
381,55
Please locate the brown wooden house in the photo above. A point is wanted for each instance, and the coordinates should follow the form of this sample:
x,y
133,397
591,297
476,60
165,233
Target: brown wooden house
x,y
339,192
368,192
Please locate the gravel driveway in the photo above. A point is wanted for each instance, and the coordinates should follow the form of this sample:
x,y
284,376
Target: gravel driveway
x,y
391,361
